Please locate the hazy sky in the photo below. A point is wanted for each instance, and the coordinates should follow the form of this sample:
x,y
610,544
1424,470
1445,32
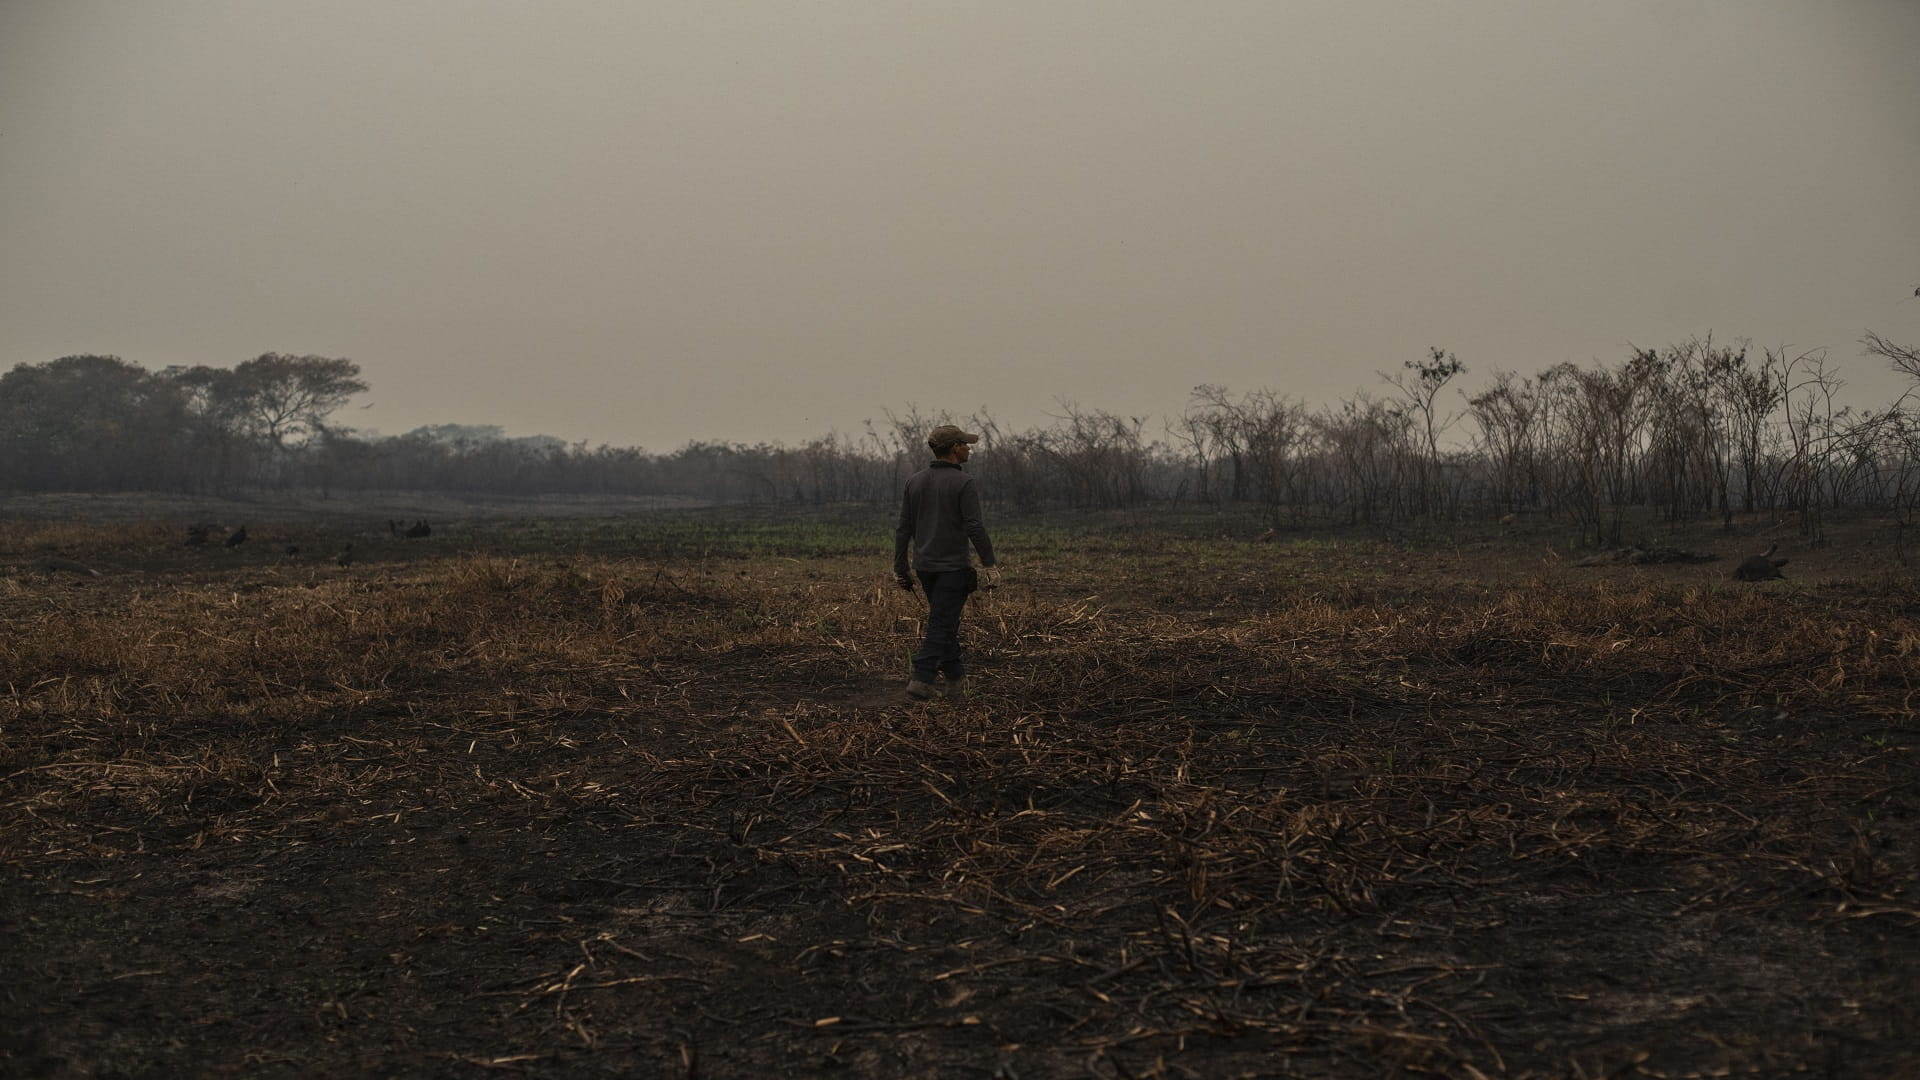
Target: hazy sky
x,y
642,223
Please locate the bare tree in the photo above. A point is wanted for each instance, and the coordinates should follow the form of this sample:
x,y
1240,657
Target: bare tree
x,y
1899,430
1600,420
1508,416
1419,386
1365,441
1217,419
1261,435
1813,426
1748,397
1904,358
1196,431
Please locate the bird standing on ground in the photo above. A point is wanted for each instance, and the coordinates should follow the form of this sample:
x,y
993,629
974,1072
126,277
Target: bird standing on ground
x,y
345,558
418,530
238,537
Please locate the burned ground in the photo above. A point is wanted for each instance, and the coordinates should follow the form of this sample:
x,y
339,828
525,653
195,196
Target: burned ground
x,y
638,796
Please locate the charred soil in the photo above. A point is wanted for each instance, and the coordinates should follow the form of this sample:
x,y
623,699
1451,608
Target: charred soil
x,y
639,796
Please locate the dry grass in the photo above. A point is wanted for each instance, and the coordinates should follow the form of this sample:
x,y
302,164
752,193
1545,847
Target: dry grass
x,y
1211,812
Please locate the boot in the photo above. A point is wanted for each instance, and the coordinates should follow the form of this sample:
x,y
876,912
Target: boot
x,y
919,691
956,689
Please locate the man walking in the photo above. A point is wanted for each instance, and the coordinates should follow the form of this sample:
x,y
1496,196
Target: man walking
x,y
939,515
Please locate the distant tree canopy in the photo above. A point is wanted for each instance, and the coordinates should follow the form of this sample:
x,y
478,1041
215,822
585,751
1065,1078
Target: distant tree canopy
x,y
473,436
459,434
94,422
276,398
88,422
1696,429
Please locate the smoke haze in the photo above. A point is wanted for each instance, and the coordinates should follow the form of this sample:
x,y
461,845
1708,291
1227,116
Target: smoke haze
x,y
643,224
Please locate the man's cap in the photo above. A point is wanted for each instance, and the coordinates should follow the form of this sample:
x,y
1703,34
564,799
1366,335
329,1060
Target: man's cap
x,y
942,438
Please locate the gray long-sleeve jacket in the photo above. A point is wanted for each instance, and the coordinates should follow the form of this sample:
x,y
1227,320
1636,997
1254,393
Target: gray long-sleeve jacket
x,y
939,514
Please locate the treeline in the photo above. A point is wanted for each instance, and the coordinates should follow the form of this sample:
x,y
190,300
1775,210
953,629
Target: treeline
x,y
1693,430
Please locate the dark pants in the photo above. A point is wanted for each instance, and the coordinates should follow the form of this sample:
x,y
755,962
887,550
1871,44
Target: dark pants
x,y
946,598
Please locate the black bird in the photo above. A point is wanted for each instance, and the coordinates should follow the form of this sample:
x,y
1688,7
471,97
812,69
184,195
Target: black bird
x,y
345,558
239,537
418,530
293,549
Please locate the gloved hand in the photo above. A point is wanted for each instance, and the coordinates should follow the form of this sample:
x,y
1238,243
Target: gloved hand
x,y
990,577
904,581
